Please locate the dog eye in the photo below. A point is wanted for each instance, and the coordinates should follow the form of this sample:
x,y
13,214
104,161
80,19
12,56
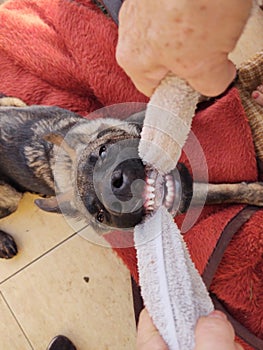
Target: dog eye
x,y
102,152
100,216
93,158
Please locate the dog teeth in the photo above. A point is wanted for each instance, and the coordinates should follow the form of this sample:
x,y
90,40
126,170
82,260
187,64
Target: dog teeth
x,y
169,198
170,190
150,189
150,202
168,204
169,182
150,181
150,195
150,208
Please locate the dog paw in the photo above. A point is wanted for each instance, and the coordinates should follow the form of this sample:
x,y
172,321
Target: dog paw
x,y
8,247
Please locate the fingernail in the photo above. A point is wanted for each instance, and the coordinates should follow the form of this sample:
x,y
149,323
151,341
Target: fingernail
x,y
218,314
255,94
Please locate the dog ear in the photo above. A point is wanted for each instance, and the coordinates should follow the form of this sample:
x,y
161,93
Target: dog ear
x,y
137,117
54,204
58,139
48,204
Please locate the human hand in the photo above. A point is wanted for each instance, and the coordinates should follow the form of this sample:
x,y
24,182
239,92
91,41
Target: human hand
x,y
215,332
212,332
192,39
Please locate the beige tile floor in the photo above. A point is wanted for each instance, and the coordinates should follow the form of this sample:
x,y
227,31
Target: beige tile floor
x,y
43,292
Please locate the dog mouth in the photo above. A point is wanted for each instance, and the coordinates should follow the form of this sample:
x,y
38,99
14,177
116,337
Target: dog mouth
x,y
162,190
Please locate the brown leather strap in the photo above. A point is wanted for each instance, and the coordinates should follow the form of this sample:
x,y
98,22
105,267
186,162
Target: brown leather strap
x,y
230,230
226,236
137,300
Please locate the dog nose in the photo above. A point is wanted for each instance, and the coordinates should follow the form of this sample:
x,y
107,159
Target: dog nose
x,y
118,181
121,182
124,179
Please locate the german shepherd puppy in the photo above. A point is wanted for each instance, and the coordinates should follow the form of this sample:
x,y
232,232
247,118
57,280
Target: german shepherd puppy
x,y
92,169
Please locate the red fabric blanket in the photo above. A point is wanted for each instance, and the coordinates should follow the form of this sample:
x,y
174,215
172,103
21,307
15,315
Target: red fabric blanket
x,y
62,52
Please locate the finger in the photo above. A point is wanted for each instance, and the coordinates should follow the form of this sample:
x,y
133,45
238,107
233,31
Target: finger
x,y
260,88
215,332
258,97
148,82
145,79
148,337
212,82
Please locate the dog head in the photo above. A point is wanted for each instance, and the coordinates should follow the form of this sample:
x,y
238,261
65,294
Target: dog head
x,y
98,174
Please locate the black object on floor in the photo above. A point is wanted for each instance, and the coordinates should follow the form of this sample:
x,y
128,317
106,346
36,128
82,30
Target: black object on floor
x,y
61,342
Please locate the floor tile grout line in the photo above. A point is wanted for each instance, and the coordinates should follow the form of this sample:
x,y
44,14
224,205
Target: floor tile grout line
x,y
38,258
16,320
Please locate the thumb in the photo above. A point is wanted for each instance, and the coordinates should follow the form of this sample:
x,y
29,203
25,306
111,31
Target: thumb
x,y
148,337
215,332
214,81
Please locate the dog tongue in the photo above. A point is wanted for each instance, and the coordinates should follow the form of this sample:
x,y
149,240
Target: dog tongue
x,y
167,123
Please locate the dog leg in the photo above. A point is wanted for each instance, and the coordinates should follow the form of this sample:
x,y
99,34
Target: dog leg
x,y
243,193
8,248
9,199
